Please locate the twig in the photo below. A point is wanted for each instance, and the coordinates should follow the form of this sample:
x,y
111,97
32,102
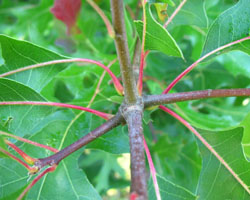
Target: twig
x,y
123,52
104,128
154,100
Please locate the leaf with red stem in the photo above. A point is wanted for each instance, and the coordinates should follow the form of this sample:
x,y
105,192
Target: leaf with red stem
x,y
67,11
222,158
50,169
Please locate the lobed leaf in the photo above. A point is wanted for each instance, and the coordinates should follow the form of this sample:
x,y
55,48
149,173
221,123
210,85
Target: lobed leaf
x,y
216,182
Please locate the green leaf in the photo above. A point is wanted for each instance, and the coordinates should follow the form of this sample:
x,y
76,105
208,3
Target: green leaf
x,y
230,26
246,137
102,165
115,142
214,175
17,54
192,13
169,190
18,119
157,38
236,62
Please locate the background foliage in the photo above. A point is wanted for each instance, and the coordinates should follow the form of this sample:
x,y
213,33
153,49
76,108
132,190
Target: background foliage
x,y
31,34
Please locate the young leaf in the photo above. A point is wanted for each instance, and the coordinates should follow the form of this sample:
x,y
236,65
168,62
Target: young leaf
x,y
214,175
230,26
157,38
67,11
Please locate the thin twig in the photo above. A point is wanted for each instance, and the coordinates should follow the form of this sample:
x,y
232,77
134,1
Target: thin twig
x,y
121,44
154,100
104,128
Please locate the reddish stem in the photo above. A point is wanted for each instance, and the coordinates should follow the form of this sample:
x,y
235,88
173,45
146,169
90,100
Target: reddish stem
x,y
210,148
98,113
26,157
152,170
97,90
104,18
29,168
50,169
29,141
118,86
176,80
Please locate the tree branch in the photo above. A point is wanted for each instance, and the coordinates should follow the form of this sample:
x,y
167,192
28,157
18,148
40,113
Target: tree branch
x,y
132,108
133,117
123,52
154,100
104,128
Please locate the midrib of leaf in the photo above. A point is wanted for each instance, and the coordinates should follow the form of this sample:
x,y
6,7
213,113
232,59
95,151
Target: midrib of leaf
x,y
41,187
70,181
162,41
